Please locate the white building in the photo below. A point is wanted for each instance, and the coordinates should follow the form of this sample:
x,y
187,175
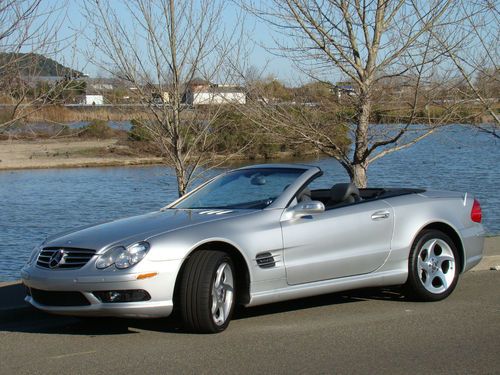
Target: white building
x,y
94,100
205,93
217,97
100,86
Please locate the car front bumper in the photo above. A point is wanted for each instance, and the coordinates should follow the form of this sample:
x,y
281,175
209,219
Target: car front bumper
x,y
88,280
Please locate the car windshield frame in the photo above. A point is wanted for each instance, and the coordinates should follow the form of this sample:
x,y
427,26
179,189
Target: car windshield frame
x,y
275,180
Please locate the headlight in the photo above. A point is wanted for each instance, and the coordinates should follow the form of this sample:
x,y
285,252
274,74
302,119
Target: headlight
x,y
34,253
123,257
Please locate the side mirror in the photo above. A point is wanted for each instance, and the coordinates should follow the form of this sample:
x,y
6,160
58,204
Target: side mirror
x,y
308,208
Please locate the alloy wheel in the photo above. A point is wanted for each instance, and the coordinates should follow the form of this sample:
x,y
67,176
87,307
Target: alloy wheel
x,y
436,265
222,293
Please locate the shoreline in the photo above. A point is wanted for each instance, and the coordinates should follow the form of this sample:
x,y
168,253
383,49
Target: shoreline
x,y
67,153
95,164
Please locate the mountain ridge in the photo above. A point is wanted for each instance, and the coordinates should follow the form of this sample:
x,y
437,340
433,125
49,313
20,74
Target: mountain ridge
x,y
33,64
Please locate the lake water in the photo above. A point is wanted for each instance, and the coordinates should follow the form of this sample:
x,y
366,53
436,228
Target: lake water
x,y
35,203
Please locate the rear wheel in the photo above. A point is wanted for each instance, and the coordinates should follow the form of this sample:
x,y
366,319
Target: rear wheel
x,y
207,292
433,266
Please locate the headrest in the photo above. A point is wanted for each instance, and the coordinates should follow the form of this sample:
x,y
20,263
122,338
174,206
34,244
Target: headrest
x,y
304,195
345,192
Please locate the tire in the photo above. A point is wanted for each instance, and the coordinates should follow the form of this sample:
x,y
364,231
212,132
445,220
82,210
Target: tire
x,y
433,266
207,292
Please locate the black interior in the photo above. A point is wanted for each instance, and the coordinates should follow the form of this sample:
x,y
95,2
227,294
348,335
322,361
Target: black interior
x,y
345,194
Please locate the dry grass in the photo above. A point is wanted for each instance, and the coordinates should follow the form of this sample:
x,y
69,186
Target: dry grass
x,y
388,113
61,114
65,114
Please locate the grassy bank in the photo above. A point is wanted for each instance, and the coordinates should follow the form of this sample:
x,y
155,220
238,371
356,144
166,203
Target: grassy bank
x,y
76,152
65,153
226,137
99,145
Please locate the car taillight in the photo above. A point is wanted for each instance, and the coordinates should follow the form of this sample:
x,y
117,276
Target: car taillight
x,y
476,214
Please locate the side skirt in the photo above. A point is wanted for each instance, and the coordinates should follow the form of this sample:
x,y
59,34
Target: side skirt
x,y
385,278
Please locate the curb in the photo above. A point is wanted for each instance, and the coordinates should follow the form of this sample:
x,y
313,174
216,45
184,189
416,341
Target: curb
x,y
487,263
12,299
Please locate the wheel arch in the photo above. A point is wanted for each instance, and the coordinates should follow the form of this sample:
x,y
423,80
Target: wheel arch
x,y
451,232
239,261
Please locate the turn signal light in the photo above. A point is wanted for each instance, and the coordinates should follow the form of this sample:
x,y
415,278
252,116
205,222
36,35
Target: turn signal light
x,y
146,275
476,214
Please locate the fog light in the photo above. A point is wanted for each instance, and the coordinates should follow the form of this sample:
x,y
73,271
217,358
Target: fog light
x,y
114,296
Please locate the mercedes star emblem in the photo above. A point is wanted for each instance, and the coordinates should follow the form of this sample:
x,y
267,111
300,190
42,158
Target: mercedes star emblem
x,y
57,258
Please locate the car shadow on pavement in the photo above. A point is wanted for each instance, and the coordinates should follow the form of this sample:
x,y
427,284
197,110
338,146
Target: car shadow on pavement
x,y
386,294
30,320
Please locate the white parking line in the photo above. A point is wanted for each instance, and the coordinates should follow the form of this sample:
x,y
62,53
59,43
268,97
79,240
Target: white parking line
x,y
72,354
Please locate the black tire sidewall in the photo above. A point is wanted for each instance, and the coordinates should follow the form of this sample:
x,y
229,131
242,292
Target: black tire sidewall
x,y
224,258
195,292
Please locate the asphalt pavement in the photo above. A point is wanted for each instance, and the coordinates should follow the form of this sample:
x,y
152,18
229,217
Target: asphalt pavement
x,y
370,331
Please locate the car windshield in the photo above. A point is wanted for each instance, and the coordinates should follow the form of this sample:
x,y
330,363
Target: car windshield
x,y
245,188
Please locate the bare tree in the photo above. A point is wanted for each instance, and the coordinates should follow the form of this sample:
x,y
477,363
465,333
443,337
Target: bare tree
x,y
164,50
13,14
370,44
474,52
28,34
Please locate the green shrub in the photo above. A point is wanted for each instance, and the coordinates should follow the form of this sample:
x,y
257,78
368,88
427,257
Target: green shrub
x,y
138,132
97,129
5,116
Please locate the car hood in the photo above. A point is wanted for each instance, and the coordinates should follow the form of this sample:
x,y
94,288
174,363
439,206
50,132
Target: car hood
x,y
137,228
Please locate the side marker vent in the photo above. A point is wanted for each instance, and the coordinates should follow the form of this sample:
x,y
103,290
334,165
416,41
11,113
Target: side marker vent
x,y
265,260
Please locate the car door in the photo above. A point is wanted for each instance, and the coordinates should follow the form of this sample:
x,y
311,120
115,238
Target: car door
x,y
339,242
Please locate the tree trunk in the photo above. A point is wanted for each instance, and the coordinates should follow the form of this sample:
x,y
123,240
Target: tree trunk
x,y
181,181
359,175
359,164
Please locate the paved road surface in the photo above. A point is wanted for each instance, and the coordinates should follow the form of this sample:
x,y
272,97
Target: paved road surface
x,y
371,331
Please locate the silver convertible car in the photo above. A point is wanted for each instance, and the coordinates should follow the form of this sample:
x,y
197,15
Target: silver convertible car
x,y
253,236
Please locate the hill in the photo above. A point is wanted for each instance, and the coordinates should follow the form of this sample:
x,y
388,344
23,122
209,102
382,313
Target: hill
x,y
32,64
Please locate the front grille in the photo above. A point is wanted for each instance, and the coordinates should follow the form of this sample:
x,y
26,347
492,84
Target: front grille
x,y
68,257
48,298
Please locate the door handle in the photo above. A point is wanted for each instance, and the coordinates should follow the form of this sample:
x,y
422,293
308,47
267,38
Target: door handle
x,y
380,215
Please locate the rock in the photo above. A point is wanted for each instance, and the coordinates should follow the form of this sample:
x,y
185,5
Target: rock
x,y
495,268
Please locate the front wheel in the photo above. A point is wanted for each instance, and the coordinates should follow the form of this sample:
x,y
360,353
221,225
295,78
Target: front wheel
x,y
432,266
207,292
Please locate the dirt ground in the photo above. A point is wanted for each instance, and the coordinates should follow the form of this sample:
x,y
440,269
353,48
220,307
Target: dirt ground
x,y
64,153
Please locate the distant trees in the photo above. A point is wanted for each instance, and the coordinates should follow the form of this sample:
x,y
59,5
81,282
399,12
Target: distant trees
x,y
158,48
473,50
369,43
28,30
14,16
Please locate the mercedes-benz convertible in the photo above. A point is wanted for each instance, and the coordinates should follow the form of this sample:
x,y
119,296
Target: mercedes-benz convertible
x,y
258,235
